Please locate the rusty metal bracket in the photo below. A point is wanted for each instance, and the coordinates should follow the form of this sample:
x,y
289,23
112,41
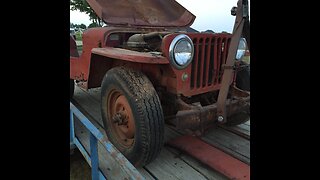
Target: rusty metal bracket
x,y
205,116
228,72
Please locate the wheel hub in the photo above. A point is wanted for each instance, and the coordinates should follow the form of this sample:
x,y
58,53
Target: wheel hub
x,y
120,118
122,121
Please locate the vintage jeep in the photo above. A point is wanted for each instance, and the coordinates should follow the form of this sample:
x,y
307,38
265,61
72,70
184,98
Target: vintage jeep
x,y
152,71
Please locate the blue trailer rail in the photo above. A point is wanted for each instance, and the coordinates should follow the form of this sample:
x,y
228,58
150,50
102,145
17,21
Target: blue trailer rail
x,y
93,157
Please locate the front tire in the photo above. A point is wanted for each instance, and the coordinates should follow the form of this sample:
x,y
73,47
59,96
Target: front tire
x,y
132,115
243,83
243,79
238,118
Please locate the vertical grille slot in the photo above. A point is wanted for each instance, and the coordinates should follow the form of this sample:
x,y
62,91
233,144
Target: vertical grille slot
x,y
206,62
210,53
211,63
218,62
200,50
193,68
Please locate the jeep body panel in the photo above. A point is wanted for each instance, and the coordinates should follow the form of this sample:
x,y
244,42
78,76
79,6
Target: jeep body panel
x,y
142,13
99,55
128,55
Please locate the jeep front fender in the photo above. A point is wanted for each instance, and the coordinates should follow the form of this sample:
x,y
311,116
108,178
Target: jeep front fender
x,y
133,56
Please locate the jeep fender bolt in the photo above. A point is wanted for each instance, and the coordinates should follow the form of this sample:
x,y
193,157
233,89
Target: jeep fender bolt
x,y
220,118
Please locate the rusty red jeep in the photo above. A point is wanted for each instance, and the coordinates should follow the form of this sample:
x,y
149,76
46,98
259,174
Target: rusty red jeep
x,y
152,71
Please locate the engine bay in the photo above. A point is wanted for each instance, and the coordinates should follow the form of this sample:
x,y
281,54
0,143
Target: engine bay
x,y
142,42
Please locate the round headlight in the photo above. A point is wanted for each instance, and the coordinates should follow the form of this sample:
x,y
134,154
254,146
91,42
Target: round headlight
x,y
241,48
181,51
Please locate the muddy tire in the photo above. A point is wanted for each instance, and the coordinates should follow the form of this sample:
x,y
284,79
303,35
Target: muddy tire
x,y
238,118
132,115
243,79
71,88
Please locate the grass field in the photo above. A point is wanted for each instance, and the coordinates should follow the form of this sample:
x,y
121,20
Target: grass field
x,y
246,59
79,36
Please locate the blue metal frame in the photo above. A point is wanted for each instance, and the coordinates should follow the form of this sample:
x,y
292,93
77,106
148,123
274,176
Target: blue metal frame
x,y
95,137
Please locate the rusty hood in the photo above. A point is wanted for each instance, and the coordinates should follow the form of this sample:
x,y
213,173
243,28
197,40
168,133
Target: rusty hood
x,y
142,13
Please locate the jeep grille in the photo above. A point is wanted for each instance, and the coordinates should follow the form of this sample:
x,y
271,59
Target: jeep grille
x,y
210,52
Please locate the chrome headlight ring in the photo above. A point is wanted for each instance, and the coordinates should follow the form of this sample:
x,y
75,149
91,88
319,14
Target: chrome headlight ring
x,y
181,51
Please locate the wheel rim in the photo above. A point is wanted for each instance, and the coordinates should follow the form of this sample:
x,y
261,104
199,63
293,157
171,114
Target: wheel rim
x,y
121,119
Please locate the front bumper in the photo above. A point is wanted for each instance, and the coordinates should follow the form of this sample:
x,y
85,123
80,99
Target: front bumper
x,y
202,117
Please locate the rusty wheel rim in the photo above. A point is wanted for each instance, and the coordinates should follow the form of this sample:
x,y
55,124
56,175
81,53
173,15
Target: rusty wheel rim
x,y
121,119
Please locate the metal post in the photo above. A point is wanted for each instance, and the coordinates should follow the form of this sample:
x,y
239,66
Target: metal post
x,y
71,128
228,70
94,157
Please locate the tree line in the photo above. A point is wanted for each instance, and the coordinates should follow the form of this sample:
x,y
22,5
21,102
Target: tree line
x,y
77,26
83,6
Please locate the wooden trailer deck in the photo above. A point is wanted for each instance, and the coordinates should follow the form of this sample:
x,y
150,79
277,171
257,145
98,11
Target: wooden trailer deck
x,y
171,163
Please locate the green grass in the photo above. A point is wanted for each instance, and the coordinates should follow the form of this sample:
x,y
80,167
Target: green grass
x,y
246,59
79,36
79,48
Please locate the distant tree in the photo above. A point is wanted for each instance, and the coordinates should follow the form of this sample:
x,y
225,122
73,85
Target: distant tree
x,y
93,25
190,29
83,6
82,26
209,31
71,25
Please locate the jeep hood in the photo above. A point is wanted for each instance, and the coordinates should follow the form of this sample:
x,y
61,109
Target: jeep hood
x,y
142,13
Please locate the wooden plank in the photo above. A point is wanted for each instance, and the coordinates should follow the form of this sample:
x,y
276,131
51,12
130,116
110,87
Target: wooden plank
x,y
95,93
228,139
237,130
222,146
245,127
203,169
88,104
231,167
145,174
169,167
232,144
227,150
206,171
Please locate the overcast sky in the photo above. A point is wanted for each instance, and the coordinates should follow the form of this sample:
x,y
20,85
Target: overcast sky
x,y
210,14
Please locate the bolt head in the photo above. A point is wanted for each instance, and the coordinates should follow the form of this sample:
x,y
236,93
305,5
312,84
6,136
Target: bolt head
x,y
220,118
184,76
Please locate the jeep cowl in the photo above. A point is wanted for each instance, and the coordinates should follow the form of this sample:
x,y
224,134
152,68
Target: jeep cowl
x,y
152,71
